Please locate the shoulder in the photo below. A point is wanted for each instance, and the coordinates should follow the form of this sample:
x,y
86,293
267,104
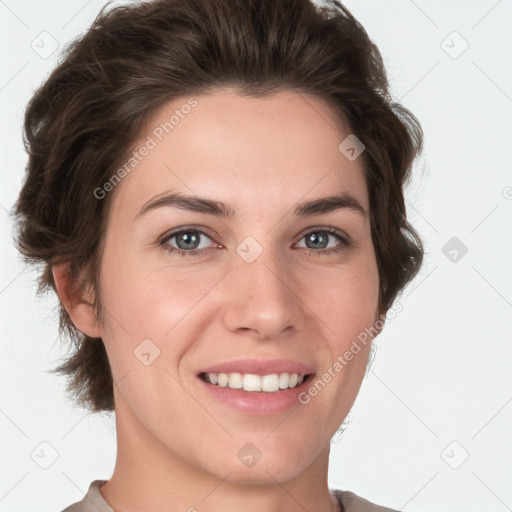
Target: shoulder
x,y
353,503
92,502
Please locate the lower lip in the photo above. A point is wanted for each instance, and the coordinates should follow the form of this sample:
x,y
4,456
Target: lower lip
x,y
258,402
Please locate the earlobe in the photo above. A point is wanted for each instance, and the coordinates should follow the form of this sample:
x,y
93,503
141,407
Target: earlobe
x,y
77,301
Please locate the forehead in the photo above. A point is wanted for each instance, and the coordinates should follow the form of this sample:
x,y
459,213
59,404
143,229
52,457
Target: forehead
x,y
243,151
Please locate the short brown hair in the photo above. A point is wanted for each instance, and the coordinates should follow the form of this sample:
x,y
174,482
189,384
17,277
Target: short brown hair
x,y
82,122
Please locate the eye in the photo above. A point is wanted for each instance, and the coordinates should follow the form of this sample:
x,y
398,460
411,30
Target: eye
x,y
322,238
188,242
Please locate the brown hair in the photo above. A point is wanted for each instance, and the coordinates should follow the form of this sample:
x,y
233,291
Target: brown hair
x,y
82,122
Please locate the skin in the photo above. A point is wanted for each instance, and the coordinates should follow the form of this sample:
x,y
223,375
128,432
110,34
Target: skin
x,y
177,446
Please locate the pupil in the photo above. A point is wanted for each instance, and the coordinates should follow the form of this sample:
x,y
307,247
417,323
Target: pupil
x,y
189,239
322,239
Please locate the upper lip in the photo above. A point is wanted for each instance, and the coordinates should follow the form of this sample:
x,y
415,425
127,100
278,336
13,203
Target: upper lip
x,y
259,367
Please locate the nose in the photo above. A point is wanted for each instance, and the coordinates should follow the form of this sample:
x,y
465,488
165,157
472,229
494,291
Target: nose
x,y
262,298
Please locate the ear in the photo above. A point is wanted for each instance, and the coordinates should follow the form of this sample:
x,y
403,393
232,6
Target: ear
x,y
76,301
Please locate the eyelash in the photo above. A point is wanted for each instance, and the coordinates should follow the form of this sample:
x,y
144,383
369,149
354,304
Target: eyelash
x,y
346,242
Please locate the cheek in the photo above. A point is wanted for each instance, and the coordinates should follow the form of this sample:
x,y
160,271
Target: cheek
x,y
147,301
346,299
142,307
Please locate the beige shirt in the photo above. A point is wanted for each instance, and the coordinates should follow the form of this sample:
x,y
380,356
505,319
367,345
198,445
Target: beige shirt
x,y
93,502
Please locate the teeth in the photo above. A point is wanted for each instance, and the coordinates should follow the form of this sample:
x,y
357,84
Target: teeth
x,y
222,380
250,382
235,380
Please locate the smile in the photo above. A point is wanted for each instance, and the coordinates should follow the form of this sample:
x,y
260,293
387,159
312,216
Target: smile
x,y
250,382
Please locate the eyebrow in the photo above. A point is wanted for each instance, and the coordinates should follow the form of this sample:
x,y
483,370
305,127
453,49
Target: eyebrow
x,y
203,205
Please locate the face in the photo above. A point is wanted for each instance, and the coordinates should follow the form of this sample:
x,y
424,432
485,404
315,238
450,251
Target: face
x,y
185,291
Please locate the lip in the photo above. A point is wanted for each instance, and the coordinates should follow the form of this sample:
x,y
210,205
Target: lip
x,y
259,367
257,402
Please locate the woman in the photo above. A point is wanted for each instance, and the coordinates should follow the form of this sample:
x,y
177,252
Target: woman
x,y
215,188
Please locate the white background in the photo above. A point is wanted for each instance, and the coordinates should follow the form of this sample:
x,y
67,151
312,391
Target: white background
x,y
440,389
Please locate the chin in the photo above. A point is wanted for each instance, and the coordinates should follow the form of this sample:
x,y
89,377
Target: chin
x,y
262,473
261,462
